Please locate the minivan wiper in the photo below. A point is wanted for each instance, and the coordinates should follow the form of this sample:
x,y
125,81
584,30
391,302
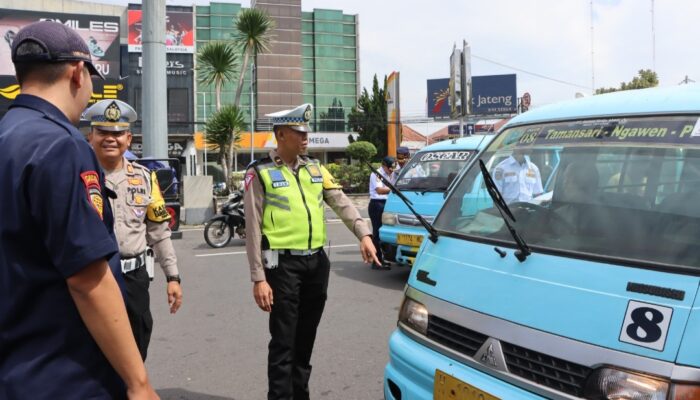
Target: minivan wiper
x,y
523,250
432,232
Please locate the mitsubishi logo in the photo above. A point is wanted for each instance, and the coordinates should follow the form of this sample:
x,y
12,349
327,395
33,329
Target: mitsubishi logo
x,y
488,357
491,355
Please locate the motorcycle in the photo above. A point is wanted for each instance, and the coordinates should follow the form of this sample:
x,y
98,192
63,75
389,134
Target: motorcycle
x,y
220,228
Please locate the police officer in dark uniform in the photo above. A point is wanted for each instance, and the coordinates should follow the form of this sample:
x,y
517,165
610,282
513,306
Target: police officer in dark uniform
x,y
285,235
64,331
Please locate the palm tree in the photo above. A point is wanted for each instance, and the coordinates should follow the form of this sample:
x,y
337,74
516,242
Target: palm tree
x,y
223,130
217,63
254,33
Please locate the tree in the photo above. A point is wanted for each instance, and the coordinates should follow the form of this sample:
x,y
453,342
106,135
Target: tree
x,y
334,119
362,151
223,130
217,63
369,117
254,33
646,79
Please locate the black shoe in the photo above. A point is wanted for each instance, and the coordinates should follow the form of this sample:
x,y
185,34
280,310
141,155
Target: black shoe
x,y
383,267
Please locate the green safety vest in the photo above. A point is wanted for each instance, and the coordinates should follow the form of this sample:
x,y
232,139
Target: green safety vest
x,y
293,211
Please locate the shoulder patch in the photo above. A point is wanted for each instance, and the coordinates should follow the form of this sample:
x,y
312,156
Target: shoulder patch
x,y
329,181
249,176
91,181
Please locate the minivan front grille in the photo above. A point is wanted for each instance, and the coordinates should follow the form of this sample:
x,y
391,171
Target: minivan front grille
x,y
545,370
456,337
411,220
539,368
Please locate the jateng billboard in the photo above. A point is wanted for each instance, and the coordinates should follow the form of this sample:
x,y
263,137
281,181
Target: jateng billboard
x,y
494,94
179,32
438,94
101,33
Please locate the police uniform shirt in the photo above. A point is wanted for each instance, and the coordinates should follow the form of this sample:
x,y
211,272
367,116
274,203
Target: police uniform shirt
x,y
375,182
54,221
253,208
517,182
140,218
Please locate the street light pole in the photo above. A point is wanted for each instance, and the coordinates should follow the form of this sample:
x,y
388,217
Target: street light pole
x,y
252,111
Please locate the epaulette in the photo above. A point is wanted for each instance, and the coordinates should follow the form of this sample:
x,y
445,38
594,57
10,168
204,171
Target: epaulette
x,y
257,162
136,164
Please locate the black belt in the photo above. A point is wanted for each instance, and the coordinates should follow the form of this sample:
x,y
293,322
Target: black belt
x,y
379,200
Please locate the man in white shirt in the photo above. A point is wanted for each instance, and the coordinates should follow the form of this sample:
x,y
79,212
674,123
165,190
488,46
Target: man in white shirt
x,y
517,178
378,193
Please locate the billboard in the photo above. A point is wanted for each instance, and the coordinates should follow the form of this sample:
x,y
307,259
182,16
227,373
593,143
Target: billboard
x,y
393,113
455,83
438,93
101,33
179,32
494,94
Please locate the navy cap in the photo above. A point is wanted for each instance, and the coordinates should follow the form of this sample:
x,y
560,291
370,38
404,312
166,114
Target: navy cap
x,y
58,42
403,150
389,161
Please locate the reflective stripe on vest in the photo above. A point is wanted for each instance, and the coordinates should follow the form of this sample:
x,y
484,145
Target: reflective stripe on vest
x,y
293,210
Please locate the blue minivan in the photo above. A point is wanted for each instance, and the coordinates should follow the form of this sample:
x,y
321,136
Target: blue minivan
x,y
590,290
423,180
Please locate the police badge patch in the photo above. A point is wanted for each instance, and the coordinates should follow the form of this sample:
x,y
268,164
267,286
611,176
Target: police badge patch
x,y
315,172
94,193
277,178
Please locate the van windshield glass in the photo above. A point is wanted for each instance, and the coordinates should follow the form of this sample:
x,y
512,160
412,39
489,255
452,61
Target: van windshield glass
x,y
432,170
623,188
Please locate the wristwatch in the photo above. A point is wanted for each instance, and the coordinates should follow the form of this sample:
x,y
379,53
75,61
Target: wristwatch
x,y
172,278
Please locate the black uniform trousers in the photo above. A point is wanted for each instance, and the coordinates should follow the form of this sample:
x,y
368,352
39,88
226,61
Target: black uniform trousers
x,y
299,288
138,307
375,211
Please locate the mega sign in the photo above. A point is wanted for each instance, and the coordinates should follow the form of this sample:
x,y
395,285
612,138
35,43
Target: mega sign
x,y
494,94
101,34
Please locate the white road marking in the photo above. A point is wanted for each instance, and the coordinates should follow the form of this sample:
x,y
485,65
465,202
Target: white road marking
x,y
335,246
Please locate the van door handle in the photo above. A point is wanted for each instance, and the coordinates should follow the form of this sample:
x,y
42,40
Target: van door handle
x,y
422,276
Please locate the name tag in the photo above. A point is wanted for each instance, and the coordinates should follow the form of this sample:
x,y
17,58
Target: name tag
x,y
278,179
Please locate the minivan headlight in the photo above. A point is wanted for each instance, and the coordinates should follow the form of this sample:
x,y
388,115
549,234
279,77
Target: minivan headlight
x,y
414,315
388,218
609,383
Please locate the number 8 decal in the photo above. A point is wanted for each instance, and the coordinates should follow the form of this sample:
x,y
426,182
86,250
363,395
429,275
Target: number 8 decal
x,y
646,325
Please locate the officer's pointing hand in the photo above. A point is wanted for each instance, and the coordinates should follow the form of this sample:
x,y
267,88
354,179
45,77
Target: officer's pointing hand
x,y
263,295
369,253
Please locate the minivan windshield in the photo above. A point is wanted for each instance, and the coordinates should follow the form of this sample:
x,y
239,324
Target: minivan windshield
x,y
623,188
432,170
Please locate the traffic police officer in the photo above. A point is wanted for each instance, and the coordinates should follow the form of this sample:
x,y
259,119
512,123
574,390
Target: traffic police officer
x,y
286,232
64,332
518,178
139,212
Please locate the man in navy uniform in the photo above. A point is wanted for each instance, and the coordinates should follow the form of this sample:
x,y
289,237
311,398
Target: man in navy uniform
x,y
285,235
64,331
141,219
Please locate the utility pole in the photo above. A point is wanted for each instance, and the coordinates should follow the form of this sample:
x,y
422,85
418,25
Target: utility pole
x,y
592,54
686,81
155,118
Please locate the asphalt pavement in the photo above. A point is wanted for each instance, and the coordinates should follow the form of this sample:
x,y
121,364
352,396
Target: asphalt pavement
x,y
215,347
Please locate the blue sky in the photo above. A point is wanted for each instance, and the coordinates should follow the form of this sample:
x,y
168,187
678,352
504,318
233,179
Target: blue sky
x,y
551,38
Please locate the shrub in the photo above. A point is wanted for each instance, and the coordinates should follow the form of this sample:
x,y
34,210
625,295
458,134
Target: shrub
x,y
362,151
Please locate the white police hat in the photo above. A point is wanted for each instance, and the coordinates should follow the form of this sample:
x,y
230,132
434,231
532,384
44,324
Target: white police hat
x,y
110,115
297,118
